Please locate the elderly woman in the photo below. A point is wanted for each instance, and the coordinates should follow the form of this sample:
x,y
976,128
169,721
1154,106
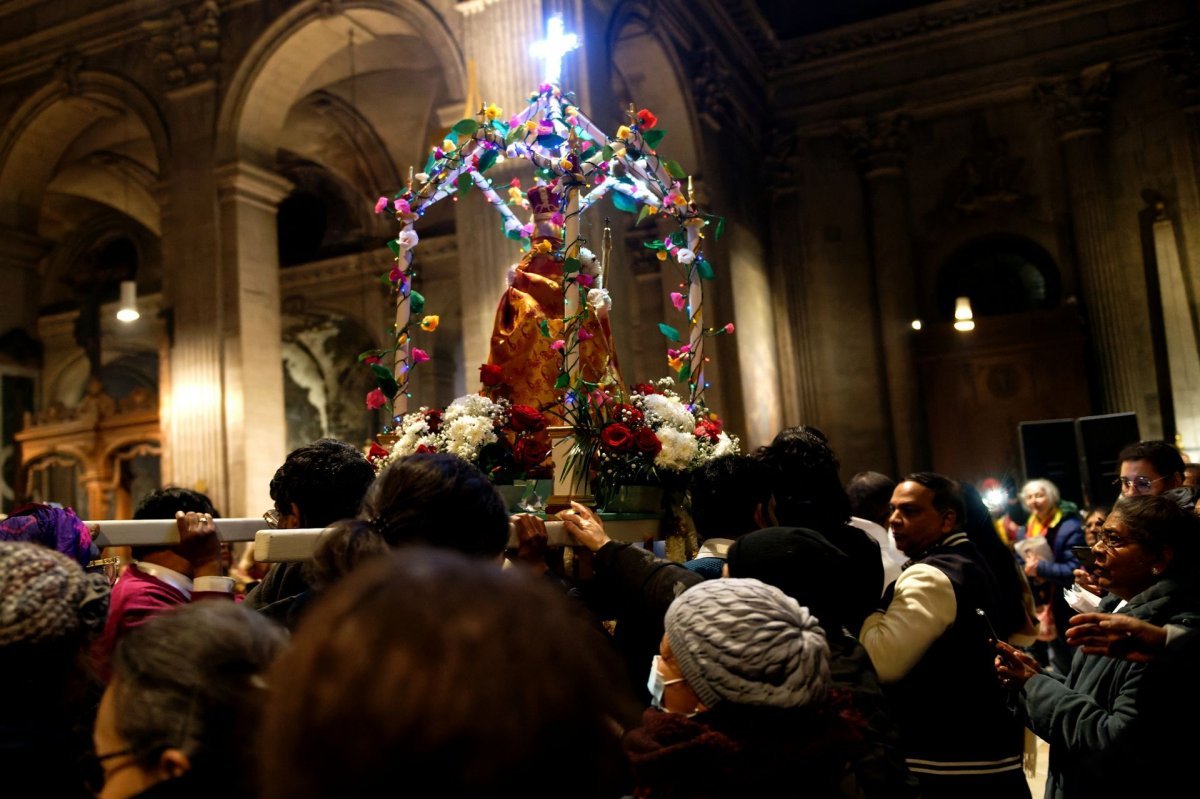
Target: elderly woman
x,y
1049,576
182,710
743,705
1113,724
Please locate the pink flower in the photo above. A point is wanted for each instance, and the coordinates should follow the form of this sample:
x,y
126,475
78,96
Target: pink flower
x,y
677,300
395,274
545,87
585,280
512,123
371,360
380,204
729,327
401,206
599,398
557,219
376,399
419,356
526,231
515,183
584,335
558,345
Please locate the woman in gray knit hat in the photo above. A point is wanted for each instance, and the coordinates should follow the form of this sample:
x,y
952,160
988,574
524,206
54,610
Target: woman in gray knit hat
x,y
743,704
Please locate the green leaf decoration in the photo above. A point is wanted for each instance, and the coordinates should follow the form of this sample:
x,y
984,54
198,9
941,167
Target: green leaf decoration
x,y
645,212
387,383
369,353
394,246
704,268
655,244
671,333
624,202
680,238
416,302
674,169
607,153
571,266
452,136
499,126
544,326
685,371
515,235
720,228
550,140
515,134
386,279
464,184
653,137
429,162
563,381
466,127
487,160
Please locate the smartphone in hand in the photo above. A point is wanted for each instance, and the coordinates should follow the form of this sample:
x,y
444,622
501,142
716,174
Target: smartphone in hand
x,y
1087,558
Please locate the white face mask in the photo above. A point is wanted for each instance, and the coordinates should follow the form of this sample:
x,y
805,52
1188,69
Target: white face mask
x,y
656,684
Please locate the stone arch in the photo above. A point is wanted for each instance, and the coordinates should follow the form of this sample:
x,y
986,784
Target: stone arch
x,y
648,67
274,74
92,234
1001,273
47,124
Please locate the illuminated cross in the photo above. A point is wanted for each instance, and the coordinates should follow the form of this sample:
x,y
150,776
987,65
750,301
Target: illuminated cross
x,y
552,49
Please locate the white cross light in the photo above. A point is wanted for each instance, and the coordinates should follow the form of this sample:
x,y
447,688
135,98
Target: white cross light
x,y
552,49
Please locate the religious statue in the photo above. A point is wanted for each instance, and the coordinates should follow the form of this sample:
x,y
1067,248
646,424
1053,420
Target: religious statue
x,y
528,334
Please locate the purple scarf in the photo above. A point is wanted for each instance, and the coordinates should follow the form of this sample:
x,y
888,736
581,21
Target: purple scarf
x,y
56,528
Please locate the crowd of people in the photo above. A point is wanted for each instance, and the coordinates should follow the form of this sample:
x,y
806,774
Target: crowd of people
x,y
868,639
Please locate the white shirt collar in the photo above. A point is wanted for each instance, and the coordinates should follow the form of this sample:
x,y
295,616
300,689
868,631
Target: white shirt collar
x,y
180,582
715,548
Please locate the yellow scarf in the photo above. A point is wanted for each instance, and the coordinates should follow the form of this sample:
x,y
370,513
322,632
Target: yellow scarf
x,y
1036,529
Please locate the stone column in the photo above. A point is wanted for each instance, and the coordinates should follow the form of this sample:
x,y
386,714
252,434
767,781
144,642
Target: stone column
x,y
255,433
880,147
194,415
1078,105
20,253
797,369
496,38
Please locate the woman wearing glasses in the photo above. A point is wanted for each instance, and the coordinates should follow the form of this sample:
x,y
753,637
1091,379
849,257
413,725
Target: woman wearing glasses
x,y
1112,722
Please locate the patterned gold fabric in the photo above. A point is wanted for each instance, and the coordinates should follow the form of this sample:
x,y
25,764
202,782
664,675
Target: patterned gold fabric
x,y
530,366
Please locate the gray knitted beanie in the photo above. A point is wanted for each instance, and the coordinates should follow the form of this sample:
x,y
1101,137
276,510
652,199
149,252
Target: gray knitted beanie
x,y
45,596
748,643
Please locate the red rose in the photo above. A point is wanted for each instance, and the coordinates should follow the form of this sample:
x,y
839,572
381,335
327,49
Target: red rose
x,y
646,120
528,452
645,389
376,399
422,450
647,442
376,452
628,414
526,419
433,418
491,375
617,437
707,429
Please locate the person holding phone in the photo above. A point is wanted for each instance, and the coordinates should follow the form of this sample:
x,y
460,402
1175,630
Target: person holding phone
x,y
1111,722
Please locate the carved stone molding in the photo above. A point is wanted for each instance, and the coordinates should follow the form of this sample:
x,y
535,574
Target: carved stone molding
x,y
782,162
66,72
880,144
1078,103
711,80
185,44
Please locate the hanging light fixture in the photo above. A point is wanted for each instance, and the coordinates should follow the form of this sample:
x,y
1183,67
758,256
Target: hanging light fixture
x,y
964,320
127,311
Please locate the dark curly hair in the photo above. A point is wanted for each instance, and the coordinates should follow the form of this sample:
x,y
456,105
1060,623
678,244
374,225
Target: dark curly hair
x,y
326,479
435,499
802,472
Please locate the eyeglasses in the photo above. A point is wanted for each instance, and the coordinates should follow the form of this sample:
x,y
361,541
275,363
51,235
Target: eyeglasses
x,y
1111,542
272,518
1140,484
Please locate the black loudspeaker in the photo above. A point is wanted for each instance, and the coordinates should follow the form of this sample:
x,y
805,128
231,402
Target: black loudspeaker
x,y
1101,439
1049,450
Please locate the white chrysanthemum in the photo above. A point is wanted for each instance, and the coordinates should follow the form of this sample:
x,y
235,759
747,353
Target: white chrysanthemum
x,y
470,405
663,410
726,445
599,298
408,239
678,449
466,435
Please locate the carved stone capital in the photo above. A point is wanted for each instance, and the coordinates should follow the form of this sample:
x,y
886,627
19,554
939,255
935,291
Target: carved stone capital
x,y
880,145
1183,68
711,79
1078,103
185,44
782,162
